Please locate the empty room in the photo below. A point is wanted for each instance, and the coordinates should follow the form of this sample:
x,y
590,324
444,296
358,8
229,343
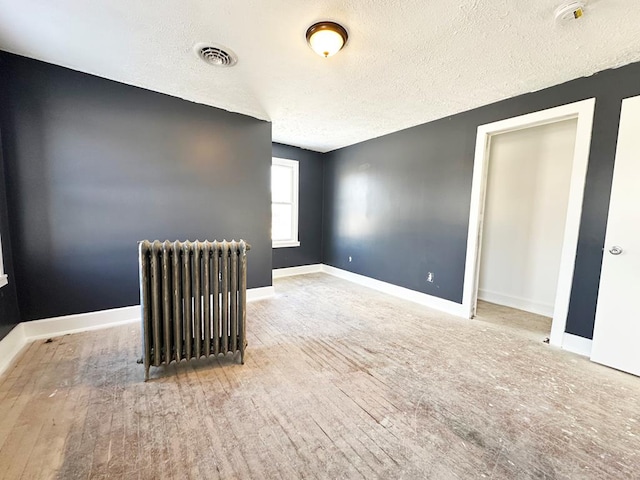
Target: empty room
x,y
333,240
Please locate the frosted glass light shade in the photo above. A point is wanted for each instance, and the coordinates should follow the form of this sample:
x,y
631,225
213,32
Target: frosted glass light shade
x,y
326,38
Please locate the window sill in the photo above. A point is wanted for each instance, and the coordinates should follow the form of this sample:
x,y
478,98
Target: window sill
x,y
4,280
288,243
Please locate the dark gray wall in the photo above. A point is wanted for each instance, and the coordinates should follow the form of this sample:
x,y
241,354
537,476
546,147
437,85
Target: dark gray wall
x,y
399,204
310,209
9,314
93,166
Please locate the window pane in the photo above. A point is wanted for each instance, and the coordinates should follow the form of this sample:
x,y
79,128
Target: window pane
x,y
281,184
281,222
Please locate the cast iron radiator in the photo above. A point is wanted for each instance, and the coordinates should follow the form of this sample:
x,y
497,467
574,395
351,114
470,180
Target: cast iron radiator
x,y
193,297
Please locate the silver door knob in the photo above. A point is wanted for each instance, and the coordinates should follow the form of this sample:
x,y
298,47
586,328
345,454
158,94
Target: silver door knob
x,y
615,250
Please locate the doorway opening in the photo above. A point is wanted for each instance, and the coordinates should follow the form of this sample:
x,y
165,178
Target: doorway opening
x,y
530,292
527,194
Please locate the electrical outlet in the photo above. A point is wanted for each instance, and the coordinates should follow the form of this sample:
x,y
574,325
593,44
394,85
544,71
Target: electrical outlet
x,y
350,258
430,277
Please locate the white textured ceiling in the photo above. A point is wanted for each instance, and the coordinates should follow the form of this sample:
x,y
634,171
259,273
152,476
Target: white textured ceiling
x,y
407,62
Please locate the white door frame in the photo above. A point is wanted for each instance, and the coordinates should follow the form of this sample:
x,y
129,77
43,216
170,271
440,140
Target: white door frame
x,y
583,111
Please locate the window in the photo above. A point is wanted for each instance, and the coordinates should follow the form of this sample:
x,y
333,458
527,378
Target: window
x,y
284,203
3,277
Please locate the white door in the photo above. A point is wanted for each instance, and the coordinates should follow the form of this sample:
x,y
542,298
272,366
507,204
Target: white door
x,y
616,336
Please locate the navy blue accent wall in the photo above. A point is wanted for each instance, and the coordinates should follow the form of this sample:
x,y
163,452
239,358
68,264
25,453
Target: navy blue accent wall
x,y
93,166
310,209
399,204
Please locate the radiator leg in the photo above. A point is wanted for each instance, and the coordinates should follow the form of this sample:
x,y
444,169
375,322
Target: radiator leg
x,y
146,372
242,349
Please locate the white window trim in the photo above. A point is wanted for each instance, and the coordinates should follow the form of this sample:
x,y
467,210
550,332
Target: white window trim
x,y
285,243
4,279
295,166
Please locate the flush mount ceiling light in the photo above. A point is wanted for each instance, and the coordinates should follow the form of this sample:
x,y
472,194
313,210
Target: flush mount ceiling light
x,y
326,38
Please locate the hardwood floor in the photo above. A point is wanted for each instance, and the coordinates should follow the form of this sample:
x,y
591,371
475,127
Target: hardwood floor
x,y
536,327
339,382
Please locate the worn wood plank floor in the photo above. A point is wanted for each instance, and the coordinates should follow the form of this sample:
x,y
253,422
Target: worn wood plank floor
x,y
339,382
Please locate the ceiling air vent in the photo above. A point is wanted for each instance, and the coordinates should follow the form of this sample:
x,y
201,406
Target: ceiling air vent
x,y
216,55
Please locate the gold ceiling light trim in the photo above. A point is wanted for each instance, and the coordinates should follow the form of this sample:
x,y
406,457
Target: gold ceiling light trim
x,y
326,38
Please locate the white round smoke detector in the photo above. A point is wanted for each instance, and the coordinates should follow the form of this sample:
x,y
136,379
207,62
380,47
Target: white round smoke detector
x,y
570,11
216,55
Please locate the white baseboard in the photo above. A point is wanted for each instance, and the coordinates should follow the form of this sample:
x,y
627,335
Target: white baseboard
x,y
27,332
520,303
10,347
260,293
576,344
427,300
81,322
301,270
